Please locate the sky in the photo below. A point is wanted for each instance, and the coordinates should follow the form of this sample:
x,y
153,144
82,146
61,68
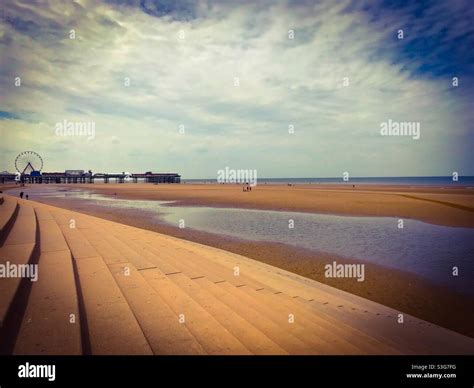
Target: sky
x,y
287,88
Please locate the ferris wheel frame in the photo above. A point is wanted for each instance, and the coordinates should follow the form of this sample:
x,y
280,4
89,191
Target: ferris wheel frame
x,y
30,158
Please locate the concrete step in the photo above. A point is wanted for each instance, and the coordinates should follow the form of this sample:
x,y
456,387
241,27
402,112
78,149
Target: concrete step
x,y
7,211
291,285
51,323
24,228
111,325
341,334
226,274
371,318
413,335
212,336
379,322
317,339
247,333
159,323
170,279
193,310
291,339
199,321
195,266
17,250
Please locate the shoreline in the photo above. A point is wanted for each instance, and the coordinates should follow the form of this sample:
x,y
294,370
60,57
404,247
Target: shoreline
x,y
403,291
446,207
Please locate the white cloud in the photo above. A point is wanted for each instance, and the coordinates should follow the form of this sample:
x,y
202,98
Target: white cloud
x,y
190,82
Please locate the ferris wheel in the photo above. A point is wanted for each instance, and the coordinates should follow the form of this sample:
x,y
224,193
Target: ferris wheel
x,y
28,162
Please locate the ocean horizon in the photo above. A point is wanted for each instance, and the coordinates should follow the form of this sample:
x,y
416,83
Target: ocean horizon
x,y
416,181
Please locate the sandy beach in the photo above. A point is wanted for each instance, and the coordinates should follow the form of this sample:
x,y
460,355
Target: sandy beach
x,y
174,296
443,206
398,289
237,178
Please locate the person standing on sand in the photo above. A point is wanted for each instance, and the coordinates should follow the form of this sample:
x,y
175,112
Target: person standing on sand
x,y
27,197
21,195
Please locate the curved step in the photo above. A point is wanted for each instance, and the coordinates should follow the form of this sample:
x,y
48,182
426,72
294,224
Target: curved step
x,y
344,332
199,267
162,256
51,323
111,324
414,336
304,314
374,319
298,287
211,335
223,313
169,277
7,212
292,338
253,339
112,327
17,250
159,323
195,266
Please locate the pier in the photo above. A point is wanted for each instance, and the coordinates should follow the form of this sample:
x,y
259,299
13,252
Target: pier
x,y
79,176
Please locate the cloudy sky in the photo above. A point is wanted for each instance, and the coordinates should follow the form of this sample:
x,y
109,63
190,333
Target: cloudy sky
x,y
230,76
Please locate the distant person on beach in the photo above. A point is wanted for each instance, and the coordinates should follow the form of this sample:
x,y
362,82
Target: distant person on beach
x,y
21,195
27,197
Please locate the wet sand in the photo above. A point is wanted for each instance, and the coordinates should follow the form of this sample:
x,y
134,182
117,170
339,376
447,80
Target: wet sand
x,y
441,206
397,289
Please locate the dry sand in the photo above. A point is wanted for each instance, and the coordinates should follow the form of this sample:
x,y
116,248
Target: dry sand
x,y
400,290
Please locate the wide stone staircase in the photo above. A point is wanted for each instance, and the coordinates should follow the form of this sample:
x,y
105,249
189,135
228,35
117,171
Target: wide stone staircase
x,y
108,288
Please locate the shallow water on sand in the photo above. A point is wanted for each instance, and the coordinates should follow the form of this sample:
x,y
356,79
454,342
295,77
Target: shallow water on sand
x,y
430,251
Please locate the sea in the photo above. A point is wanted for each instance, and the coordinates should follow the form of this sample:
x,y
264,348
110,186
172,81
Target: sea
x,y
411,181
